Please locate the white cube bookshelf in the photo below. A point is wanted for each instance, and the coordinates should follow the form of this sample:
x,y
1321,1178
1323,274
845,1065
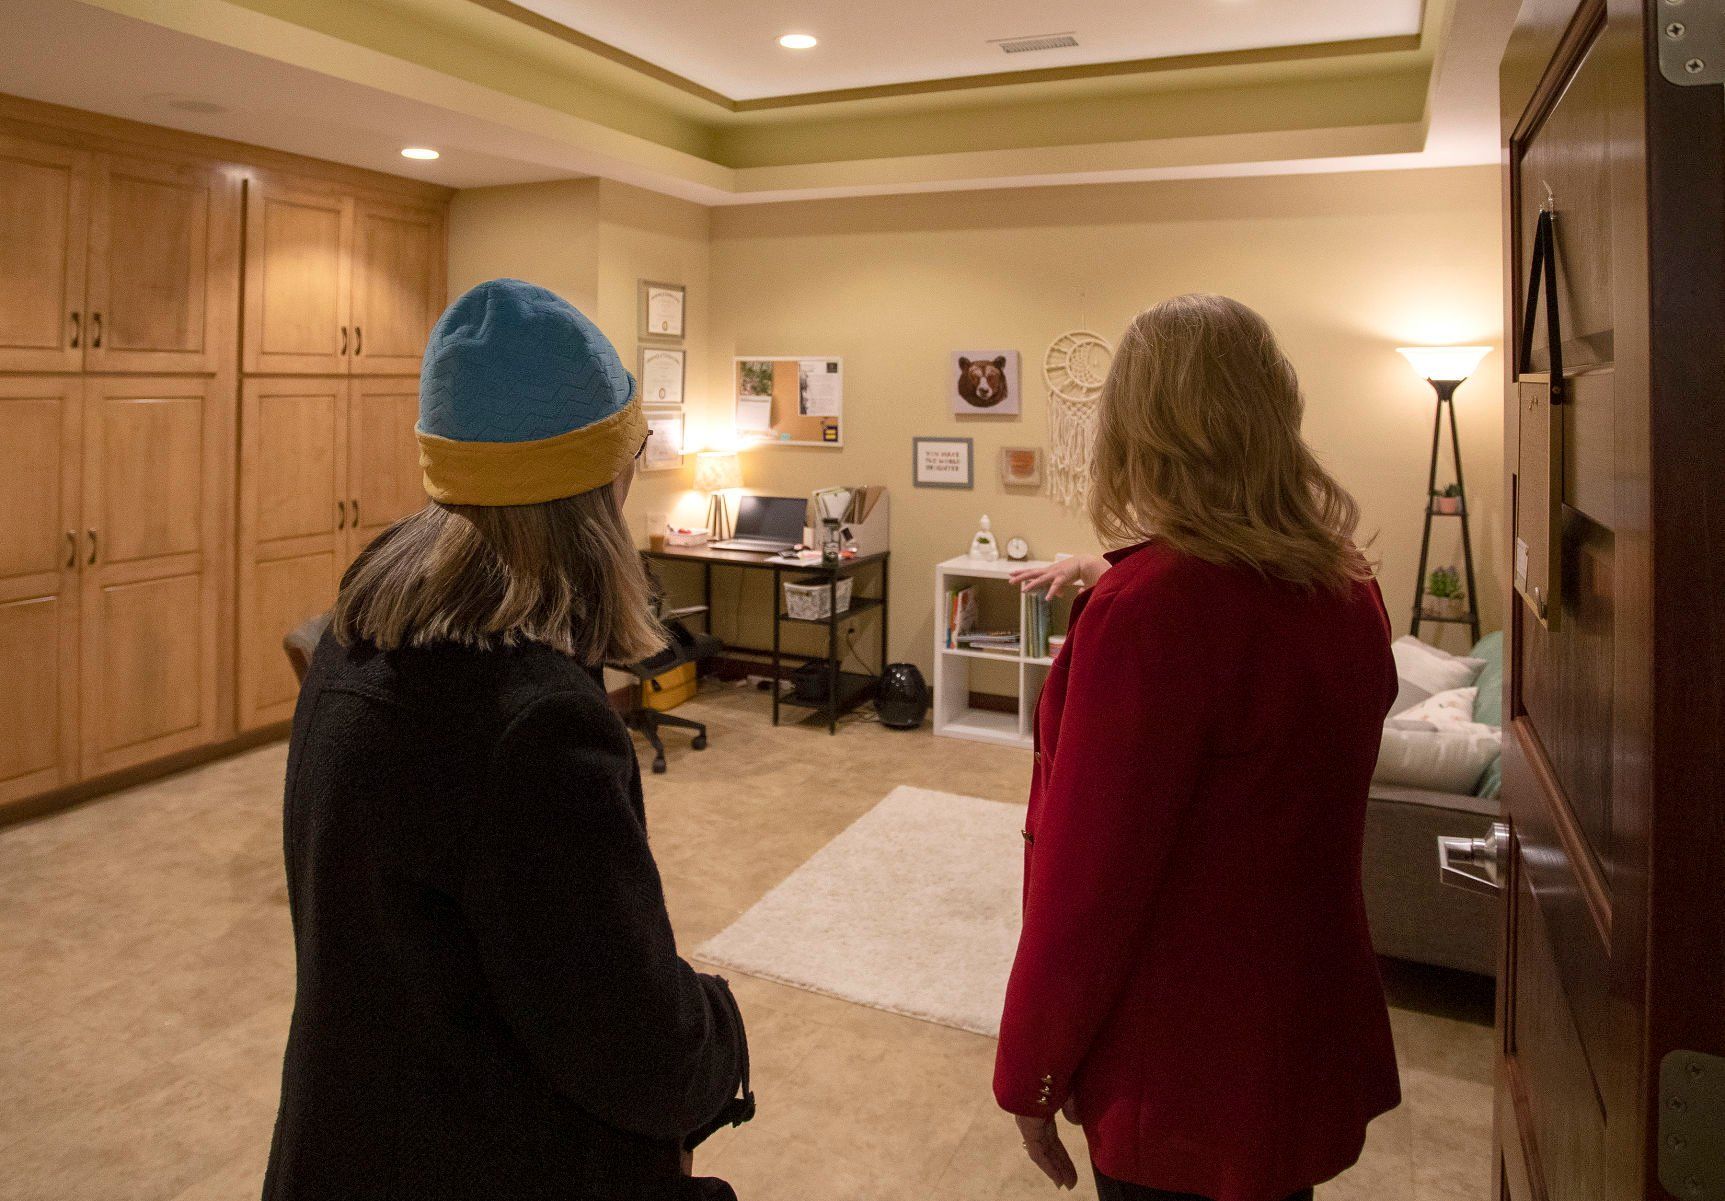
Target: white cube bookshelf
x,y
954,716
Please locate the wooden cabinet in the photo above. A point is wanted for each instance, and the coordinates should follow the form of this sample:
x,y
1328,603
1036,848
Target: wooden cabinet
x,y
163,260
114,263
397,286
208,387
337,285
40,552
44,205
326,464
152,553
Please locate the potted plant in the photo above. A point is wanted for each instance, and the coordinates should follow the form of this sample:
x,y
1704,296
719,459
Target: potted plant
x,y
1444,595
1448,500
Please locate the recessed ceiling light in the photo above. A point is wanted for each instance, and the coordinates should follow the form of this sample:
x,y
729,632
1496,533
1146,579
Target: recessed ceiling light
x,y
418,152
797,41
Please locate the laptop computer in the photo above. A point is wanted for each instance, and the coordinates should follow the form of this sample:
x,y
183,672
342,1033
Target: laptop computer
x,y
768,524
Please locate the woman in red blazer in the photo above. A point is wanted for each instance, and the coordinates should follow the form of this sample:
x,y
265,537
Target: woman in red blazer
x,y
1194,983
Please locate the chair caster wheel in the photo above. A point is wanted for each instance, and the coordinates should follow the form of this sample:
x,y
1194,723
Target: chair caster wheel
x,y
659,766
699,742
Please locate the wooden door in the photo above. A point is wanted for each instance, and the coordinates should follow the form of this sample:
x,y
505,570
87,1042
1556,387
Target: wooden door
x,y
163,264
299,258
383,476
44,196
152,552
397,286
39,556
293,521
1613,769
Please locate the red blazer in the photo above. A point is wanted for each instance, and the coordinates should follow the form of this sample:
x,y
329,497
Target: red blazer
x,y
1194,966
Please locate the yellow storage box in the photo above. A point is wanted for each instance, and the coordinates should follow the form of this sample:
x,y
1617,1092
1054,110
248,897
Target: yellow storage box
x,y
674,687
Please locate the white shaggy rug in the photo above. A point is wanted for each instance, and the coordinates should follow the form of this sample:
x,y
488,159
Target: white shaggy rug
x,y
913,909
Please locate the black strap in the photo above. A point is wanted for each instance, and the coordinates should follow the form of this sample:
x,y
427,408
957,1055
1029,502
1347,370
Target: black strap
x,y
1544,268
738,1109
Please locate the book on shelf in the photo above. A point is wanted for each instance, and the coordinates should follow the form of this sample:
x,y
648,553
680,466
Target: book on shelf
x,y
960,614
995,640
1036,625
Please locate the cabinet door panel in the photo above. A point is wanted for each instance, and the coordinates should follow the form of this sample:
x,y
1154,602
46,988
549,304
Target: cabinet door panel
x,y
44,195
288,591
397,286
298,274
384,481
39,471
162,263
293,522
153,514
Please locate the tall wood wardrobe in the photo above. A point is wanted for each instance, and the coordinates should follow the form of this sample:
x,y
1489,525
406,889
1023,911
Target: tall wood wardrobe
x,y
208,385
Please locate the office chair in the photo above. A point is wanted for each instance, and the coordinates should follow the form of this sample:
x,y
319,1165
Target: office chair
x,y
300,643
682,646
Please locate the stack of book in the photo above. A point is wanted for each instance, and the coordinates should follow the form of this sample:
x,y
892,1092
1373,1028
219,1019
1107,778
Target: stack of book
x,y
999,641
960,615
1036,640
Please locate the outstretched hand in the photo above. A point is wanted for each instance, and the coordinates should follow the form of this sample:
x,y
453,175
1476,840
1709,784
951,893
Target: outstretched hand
x,y
1076,572
1042,1143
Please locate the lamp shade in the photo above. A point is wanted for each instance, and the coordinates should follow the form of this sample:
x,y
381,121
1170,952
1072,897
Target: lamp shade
x,y
1453,363
717,470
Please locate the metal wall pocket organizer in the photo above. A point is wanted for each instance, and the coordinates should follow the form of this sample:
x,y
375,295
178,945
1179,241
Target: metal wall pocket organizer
x,y
1692,1125
1539,450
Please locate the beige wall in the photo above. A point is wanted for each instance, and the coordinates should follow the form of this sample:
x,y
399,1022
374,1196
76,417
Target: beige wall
x,y
1345,267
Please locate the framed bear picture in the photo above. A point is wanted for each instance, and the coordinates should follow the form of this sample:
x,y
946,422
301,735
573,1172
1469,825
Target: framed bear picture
x,y
984,383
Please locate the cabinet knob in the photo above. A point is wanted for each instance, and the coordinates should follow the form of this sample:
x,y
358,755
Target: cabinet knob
x,y
96,331
355,503
341,514
71,548
77,330
344,339
92,559
358,340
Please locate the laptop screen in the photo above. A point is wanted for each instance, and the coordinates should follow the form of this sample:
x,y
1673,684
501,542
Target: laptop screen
x,y
777,517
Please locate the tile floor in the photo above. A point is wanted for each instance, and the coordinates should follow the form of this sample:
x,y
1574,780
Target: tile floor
x,y
146,977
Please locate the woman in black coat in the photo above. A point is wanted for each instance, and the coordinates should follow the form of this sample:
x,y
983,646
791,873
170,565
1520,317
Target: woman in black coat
x,y
490,1004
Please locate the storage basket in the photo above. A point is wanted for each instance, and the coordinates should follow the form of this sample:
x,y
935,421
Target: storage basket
x,y
807,599
675,687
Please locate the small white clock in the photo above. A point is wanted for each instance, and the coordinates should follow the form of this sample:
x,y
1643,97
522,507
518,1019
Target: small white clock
x,y
1018,549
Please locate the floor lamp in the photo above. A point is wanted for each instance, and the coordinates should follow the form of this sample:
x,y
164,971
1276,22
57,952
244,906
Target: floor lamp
x,y
716,472
1444,368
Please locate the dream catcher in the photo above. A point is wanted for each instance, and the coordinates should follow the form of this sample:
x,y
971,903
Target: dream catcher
x,y
1074,368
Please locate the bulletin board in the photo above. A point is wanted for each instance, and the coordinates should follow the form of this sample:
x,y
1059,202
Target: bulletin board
x,y
790,400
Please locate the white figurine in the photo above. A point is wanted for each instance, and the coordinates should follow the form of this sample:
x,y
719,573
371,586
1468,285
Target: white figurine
x,y
983,546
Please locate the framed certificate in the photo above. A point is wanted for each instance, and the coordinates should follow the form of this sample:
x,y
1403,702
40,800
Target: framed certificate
x,y
661,372
664,450
661,309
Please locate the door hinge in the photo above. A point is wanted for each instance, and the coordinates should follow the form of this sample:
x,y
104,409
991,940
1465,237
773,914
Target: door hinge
x,y
1691,37
1692,1125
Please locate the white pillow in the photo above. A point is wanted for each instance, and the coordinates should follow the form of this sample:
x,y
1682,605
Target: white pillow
x,y
1422,671
1440,710
1450,759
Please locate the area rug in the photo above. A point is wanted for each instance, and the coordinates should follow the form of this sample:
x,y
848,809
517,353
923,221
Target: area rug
x,y
912,909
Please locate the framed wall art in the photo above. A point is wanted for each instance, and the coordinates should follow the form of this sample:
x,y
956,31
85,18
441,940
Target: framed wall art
x,y
661,371
942,463
664,451
661,309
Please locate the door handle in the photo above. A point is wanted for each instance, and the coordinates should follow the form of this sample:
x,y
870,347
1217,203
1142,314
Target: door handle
x,y
92,559
355,503
344,339
71,548
1476,864
96,331
77,330
341,514
358,340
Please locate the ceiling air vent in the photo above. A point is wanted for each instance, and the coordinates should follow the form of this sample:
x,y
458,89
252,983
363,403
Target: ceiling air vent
x,y
1041,41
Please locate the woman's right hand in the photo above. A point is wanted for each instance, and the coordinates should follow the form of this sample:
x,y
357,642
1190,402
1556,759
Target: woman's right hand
x,y
1075,572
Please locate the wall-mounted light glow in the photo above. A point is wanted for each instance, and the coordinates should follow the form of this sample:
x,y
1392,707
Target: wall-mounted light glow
x,y
419,152
1453,363
798,41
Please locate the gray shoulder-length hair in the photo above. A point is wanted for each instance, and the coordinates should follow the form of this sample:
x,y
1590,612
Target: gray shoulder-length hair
x,y
563,573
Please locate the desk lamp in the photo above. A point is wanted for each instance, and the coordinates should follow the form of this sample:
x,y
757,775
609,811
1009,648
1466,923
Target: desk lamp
x,y
716,472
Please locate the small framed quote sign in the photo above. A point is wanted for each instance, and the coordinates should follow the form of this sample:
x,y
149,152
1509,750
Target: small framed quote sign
x,y
661,309
942,463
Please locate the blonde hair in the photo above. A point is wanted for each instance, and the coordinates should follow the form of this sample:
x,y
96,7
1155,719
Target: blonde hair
x,y
563,573
1198,445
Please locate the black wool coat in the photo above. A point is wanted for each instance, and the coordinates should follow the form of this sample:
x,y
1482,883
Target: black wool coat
x,y
490,1004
